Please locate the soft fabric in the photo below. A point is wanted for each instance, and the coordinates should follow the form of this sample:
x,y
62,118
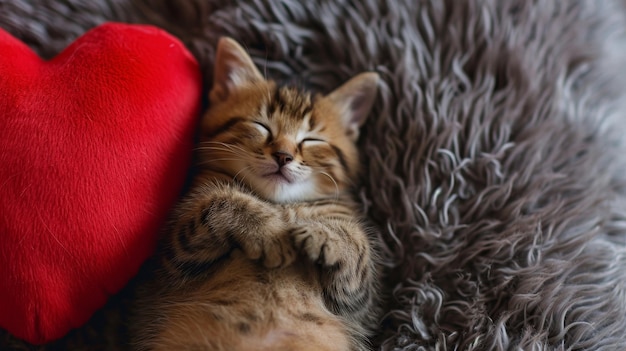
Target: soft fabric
x,y
95,145
494,155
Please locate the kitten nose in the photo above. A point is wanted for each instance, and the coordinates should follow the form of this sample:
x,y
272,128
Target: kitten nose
x,y
282,158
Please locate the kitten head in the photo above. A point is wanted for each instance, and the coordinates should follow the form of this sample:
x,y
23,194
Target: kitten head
x,y
282,143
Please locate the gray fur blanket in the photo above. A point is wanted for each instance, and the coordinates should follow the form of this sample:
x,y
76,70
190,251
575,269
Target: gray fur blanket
x,y
495,157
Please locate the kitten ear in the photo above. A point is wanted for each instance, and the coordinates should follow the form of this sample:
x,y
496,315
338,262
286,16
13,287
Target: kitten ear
x,y
355,99
233,68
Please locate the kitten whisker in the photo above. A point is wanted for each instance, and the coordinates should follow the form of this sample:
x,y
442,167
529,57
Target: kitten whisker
x,y
215,148
241,170
345,179
230,146
334,182
212,147
212,152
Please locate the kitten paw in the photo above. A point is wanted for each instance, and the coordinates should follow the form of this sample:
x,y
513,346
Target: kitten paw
x,y
254,226
320,244
278,251
274,250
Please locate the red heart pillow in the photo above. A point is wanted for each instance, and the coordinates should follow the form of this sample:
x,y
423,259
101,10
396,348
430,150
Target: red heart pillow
x,y
94,149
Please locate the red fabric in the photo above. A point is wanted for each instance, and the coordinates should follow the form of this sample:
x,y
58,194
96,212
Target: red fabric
x,y
94,149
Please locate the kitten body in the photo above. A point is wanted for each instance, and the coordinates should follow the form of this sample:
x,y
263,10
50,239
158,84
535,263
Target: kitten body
x,y
268,251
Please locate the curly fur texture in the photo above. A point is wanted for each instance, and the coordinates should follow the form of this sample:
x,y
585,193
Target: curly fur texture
x,y
495,151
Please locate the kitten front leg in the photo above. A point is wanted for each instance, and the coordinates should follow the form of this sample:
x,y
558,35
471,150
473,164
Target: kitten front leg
x,y
257,227
348,275
218,218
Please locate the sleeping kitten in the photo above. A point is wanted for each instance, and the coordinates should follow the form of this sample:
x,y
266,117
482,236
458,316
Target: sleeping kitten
x,y
268,252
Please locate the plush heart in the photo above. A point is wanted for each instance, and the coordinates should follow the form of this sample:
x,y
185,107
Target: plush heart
x,y
94,149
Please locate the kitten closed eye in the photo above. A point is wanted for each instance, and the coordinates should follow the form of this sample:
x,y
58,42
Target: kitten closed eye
x,y
312,141
262,128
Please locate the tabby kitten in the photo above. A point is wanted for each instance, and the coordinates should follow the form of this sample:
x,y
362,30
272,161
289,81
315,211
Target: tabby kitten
x,y
268,252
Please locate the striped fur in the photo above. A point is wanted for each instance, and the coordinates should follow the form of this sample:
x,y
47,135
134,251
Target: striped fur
x,y
268,251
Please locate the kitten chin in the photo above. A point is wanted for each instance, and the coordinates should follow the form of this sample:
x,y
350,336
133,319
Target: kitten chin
x,y
281,191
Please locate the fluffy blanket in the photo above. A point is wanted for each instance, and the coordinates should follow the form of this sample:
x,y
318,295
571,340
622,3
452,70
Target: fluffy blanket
x,y
495,157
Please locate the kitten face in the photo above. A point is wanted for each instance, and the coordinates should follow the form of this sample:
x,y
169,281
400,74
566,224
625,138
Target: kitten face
x,y
283,143
279,144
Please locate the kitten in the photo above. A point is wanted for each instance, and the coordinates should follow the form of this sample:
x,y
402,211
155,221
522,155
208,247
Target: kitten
x,y
268,252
